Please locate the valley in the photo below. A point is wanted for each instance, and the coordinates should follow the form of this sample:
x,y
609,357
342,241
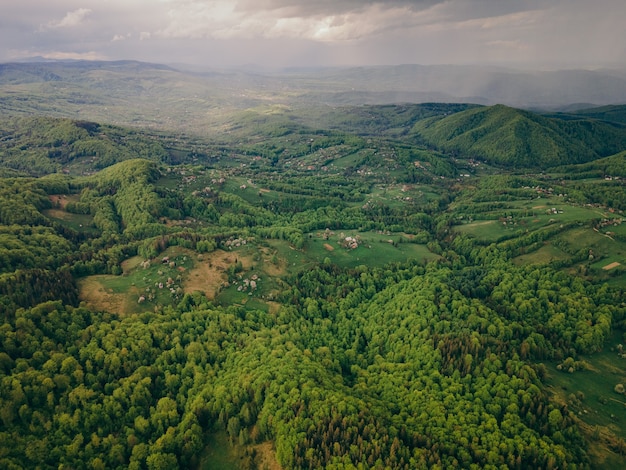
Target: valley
x,y
271,285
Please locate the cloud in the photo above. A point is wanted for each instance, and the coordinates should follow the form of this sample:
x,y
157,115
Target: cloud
x,y
71,19
330,32
62,55
318,21
507,45
329,20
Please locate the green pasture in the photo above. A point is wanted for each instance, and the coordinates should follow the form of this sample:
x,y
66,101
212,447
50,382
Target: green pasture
x,y
544,255
254,194
268,262
350,158
219,454
230,296
151,280
590,393
488,230
374,249
293,260
619,230
78,222
233,185
605,249
401,194
544,209
523,216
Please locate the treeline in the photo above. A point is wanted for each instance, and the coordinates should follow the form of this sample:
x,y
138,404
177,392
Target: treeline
x,y
404,366
25,288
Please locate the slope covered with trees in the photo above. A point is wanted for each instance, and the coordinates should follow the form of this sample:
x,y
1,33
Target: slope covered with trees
x,y
521,139
343,299
404,371
39,145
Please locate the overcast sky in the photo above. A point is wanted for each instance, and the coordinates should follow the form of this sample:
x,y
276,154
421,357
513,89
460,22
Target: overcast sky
x,y
219,33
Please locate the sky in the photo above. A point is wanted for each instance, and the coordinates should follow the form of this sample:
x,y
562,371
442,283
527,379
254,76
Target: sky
x,y
546,34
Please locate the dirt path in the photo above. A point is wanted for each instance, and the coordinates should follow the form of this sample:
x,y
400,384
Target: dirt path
x,y
610,266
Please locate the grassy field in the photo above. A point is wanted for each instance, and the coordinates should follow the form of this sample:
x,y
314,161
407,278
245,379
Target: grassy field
x,y
143,284
79,222
342,162
544,255
371,248
591,395
488,230
146,284
220,454
608,253
402,194
523,216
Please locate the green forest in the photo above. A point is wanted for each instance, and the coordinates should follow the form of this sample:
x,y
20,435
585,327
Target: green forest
x,y
370,287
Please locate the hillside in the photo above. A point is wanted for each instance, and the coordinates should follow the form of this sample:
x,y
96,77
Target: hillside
x,y
389,120
174,98
40,145
611,113
310,288
613,166
517,138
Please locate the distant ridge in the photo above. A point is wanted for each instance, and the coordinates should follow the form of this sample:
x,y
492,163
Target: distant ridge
x,y
163,97
31,72
545,90
611,113
516,138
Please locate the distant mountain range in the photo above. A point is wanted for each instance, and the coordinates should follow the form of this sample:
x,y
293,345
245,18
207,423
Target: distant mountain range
x,y
562,122
487,85
545,90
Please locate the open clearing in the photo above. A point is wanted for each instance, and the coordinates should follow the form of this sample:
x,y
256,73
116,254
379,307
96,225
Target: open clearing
x,y
544,255
591,396
160,283
221,454
61,200
59,214
208,275
97,296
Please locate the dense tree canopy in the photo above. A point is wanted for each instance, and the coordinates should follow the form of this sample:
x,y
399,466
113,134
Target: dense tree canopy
x,y
434,358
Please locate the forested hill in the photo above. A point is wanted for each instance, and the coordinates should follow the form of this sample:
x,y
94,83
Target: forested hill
x,y
611,113
40,145
319,291
613,166
518,138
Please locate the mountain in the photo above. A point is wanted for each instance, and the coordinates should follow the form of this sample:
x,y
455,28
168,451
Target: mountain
x,y
517,138
165,97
